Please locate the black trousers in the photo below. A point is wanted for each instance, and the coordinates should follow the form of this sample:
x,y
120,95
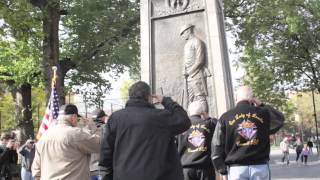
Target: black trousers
x,y
305,158
198,174
298,154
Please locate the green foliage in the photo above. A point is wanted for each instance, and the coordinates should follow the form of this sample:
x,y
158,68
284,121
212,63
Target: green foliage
x,y
278,41
7,112
102,36
281,37
124,89
7,109
19,43
38,106
304,108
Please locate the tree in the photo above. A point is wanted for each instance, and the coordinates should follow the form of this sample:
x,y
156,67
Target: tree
x,y
124,89
20,58
279,45
304,110
102,37
108,47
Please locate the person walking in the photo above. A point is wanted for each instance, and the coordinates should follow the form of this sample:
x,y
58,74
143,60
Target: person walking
x,y
305,153
299,147
27,152
284,146
63,152
194,145
139,140
241,144
310,145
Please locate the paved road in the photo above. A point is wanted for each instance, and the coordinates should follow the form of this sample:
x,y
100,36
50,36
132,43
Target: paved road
x,y
294,171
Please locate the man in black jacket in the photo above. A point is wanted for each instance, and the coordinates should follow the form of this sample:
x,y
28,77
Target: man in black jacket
x,y
8,156
194,145
241,138
138,142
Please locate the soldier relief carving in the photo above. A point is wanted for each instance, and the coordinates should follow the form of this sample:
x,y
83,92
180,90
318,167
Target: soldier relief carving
x,y
195,71
178,4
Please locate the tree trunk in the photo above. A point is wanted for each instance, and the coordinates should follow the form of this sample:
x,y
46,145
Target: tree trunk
x,y
23,113
51,47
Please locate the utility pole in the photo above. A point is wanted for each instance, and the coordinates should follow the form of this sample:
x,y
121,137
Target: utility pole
x,y
315,120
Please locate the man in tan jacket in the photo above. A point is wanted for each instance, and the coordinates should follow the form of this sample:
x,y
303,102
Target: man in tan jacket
x,y
63,152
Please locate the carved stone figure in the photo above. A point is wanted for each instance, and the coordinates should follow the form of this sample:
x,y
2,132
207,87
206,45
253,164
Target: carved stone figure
x,y
195,70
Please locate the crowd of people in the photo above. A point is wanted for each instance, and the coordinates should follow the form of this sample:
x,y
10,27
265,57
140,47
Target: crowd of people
x,y
303,151
142,142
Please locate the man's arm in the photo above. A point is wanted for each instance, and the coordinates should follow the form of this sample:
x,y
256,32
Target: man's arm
x,y
179,120
88,143
22,150
276,117
218,148
36,165
107,148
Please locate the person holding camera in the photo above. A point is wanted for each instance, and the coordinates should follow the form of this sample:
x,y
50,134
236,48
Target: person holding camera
x,y
27,152
97,172
8,156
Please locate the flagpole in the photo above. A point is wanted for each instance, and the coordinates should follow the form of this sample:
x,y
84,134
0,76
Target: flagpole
x,y
52,106
54,77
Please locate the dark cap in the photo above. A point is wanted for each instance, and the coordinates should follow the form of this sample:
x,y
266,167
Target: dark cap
x,y
69,109
98,113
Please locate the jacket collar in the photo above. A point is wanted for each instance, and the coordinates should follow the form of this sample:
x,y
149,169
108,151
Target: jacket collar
x,y
64,122
244,102
195,116
138,103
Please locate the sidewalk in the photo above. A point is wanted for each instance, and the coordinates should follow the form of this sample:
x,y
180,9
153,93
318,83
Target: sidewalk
x,y
295,170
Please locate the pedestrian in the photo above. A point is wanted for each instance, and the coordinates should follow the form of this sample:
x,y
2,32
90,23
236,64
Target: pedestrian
x,y
8,156
310,145
194,145
27,152
305,153
63,152
284,146
139,140
241,144
299,147
97,172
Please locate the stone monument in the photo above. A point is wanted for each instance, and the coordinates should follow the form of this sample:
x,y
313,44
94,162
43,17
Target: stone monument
x,y
184,53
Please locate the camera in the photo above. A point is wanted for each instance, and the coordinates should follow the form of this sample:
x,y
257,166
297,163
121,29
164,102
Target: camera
x,y
98,122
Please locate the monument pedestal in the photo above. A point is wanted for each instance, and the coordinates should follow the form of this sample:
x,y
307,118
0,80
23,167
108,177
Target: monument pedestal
x,y
165,54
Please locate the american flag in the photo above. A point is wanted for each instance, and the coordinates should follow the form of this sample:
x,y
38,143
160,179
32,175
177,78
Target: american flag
x,y
50,117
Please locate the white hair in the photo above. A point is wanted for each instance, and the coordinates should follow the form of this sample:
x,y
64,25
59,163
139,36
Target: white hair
x,y
244,93
64,117
196,108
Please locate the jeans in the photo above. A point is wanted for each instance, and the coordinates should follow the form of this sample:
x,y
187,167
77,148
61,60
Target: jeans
x,y
97,177
251,172
25,174
285,157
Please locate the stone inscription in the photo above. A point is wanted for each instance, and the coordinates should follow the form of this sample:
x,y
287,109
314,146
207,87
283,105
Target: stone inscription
x,y
163,8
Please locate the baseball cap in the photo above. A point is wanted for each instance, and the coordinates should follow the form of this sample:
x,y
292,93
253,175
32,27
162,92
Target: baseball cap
x,y
69,109
98,113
